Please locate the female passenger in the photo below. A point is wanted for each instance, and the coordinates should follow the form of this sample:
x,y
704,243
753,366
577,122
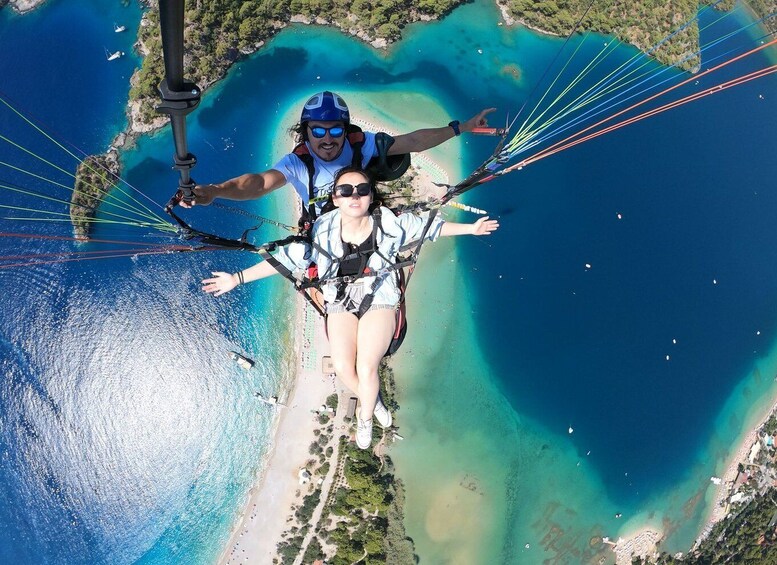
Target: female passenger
x,y
358,236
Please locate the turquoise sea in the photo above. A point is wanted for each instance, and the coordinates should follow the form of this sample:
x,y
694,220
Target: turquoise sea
x,y
128,436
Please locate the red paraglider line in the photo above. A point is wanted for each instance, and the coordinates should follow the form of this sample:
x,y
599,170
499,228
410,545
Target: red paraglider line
x,y
80,240
734,82
570,141
124,253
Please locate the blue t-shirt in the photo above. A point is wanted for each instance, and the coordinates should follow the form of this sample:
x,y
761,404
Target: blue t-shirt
x,y
324,172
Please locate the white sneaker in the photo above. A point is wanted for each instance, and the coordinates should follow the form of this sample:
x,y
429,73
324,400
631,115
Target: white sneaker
x,y
382,415
363,432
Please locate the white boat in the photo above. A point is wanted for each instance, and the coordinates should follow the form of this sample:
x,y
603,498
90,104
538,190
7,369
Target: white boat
x,y
243,361
118,28
113,56
271,400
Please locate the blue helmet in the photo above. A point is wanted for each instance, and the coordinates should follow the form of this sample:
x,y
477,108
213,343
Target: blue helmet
x,y
325,107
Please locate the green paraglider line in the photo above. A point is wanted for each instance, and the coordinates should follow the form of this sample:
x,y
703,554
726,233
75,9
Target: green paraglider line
x,y
79,160
571,141
520,145
127,220
145,212
69,189
529,130
65,217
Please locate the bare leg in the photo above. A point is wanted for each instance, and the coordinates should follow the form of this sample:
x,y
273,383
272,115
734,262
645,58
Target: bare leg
x,y
375,332
342,343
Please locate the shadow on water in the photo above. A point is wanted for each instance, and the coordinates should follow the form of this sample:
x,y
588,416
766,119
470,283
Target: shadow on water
x,y
375,75
10,351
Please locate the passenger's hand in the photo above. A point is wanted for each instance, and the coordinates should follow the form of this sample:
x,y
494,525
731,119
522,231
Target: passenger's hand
x,y
479,121
484,226
221,283
204,194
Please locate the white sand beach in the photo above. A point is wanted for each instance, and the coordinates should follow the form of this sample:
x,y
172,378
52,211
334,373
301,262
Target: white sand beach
x,y
642,543
264,517
720,508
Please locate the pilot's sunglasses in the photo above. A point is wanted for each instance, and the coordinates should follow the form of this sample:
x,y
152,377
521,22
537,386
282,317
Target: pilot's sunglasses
x,y
346,190
319,132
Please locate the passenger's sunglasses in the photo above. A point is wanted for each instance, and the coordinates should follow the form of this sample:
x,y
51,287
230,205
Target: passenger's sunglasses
x,y
346,190
319,132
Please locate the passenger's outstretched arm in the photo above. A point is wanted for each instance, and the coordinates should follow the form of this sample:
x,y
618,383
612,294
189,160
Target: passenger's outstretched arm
x,y
221,283
483,226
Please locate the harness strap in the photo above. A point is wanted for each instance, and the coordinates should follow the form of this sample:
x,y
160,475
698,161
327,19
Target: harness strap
x,y
189,233
365,256
264,252
417,251
366,302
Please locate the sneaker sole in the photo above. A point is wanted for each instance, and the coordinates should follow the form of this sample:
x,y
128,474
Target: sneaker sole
x,y
388,425
360,446
390,417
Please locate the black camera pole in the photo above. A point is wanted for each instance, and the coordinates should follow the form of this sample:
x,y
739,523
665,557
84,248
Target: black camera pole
x,y
179,96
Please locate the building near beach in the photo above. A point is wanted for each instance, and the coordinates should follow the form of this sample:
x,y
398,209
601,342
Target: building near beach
x,y
351,408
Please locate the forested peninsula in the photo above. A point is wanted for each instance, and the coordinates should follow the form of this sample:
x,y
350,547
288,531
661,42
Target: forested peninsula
x,y
642,24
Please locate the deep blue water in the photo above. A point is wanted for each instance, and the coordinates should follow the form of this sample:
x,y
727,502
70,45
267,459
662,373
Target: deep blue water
x,y
120,407
103,359
587,347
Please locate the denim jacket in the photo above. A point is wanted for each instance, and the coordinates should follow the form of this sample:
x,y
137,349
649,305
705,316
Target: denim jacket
x,y
393,233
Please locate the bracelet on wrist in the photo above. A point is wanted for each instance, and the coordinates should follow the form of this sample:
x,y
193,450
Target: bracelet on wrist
x,y
240,279
455,127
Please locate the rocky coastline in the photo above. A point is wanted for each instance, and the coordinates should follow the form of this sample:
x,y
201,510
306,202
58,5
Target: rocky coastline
x,y
22,6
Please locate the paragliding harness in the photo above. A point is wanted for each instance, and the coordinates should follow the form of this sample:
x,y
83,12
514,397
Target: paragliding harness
x,y
310,284
383,167
180,97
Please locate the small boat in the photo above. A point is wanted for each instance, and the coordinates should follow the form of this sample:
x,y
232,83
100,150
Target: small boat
x,y
243,361
272,400
118,28
113,56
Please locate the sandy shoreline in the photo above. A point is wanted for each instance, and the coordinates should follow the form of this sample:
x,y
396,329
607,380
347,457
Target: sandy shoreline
x,y
264,517
643,542
720,508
